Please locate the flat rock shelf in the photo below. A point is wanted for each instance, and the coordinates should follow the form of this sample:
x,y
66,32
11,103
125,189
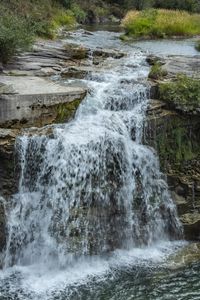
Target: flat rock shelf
x,y
33,100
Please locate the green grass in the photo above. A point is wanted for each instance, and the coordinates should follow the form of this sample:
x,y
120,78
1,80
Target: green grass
x,y
183,93
161,23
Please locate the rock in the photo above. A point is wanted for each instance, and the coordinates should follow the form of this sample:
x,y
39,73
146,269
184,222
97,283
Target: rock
x,y
185,256
152,60
48,71
175,134
2,226
76,52
189,65
108,53
76,72
191,224
177,141
8,180
181,203
79,32
37,101
6,89
173,65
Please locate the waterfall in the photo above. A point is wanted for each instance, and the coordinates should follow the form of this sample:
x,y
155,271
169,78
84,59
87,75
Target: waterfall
x,y
92,186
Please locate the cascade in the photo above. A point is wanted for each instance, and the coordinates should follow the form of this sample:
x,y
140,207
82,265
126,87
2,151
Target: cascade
x,y
92,186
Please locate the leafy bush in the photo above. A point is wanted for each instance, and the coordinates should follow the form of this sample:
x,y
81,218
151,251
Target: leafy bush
x,y
184,93
64,18
161,23
15,35
78,13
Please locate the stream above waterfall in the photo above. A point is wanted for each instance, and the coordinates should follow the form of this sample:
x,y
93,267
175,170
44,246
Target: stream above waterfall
x,y
93,218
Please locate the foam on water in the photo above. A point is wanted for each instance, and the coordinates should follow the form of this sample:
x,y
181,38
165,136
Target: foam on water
x,y
39,282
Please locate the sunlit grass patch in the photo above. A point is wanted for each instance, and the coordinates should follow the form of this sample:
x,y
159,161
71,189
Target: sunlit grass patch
x,y
161,23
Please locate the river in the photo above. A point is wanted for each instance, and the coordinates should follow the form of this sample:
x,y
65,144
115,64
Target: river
x,y
93,218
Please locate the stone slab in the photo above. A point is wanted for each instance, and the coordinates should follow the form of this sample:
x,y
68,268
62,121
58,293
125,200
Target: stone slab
x,y
30,94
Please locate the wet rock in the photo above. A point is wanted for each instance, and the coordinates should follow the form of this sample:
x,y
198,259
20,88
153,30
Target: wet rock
x,y
8,180
177,141
175,134
76,72
1,67
108,53
2,226
187,255
191,224
152,60
76,52
181,203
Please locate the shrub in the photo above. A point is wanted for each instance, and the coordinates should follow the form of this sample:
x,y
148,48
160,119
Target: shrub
x,y
184,93
15,35
157,72
78,13
161,23
64,18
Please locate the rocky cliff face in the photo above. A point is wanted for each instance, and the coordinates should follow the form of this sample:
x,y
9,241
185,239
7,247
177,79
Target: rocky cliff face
x,y
175,133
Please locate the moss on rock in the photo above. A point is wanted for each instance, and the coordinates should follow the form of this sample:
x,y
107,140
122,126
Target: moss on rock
x,y
183,93
177,141
66,111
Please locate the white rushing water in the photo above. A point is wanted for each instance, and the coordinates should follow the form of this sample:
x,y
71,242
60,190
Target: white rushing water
x,y
91,187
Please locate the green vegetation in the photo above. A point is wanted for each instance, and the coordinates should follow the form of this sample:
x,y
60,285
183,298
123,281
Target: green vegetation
x,y
197,45
176,144
22,20
157,72
184,93
161,23
188,5
14,36
65,111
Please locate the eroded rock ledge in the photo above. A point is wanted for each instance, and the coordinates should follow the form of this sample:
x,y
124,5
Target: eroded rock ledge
x,y
175,134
